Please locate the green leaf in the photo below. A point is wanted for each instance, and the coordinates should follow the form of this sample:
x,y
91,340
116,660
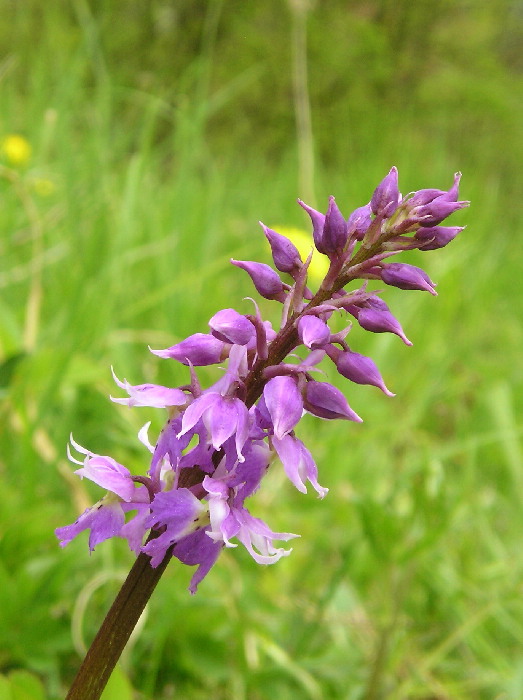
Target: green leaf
x,y
118,687
26,686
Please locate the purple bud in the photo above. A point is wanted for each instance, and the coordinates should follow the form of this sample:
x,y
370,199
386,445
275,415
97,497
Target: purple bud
x,y
318,224
326,401
359,221
453,193
231,327
406,276
284,253
358,368
284,404
386,195
433,237
422,197
439,208
265,279
376,317
199,349
375,302
335,231
313,332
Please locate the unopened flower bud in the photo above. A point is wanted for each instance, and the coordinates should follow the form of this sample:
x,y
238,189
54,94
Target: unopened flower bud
x,y
335,231
318,224
359,221
265,279
435,211
386,195
231,327
358,368
284,253
406,276
434,237
199,349
327,401
375,317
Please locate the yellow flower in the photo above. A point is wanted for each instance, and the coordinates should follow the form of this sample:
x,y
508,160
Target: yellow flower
x,y
16,149
303,242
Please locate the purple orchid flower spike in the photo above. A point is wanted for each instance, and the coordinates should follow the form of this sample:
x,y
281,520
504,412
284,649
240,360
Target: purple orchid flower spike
x,y
219,441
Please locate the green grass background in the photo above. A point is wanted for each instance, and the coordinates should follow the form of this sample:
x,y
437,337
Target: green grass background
x,y
163,132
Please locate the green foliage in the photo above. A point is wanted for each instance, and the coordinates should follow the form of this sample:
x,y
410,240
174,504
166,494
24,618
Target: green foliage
x,y
155,150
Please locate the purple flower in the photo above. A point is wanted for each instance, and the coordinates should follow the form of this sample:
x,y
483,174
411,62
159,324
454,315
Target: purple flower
x,y
359,221
198,549
434,211
386,195
330,232
375,316
284,253
152,395
198,350
265,279
318,224
335,231
179,513
434,237
218,443
358,368
407,277
231,327
284,404
298,463
107,473
327,401
105,519
313,332
223,416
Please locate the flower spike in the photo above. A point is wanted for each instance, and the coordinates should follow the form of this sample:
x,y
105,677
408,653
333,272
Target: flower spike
x,y
220,440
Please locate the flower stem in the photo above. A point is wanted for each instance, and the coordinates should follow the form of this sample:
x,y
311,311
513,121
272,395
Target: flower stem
x,y
119,622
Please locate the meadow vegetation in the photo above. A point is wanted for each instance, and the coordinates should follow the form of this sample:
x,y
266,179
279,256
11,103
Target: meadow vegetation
x,y
152,138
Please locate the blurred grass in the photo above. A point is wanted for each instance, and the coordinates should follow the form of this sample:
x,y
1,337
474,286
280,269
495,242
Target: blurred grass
x,y
406,582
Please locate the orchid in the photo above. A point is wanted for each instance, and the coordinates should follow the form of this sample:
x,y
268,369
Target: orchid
x,y
219,442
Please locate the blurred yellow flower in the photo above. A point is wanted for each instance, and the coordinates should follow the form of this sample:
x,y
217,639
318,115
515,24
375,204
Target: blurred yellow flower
x,y
303,242
16,149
